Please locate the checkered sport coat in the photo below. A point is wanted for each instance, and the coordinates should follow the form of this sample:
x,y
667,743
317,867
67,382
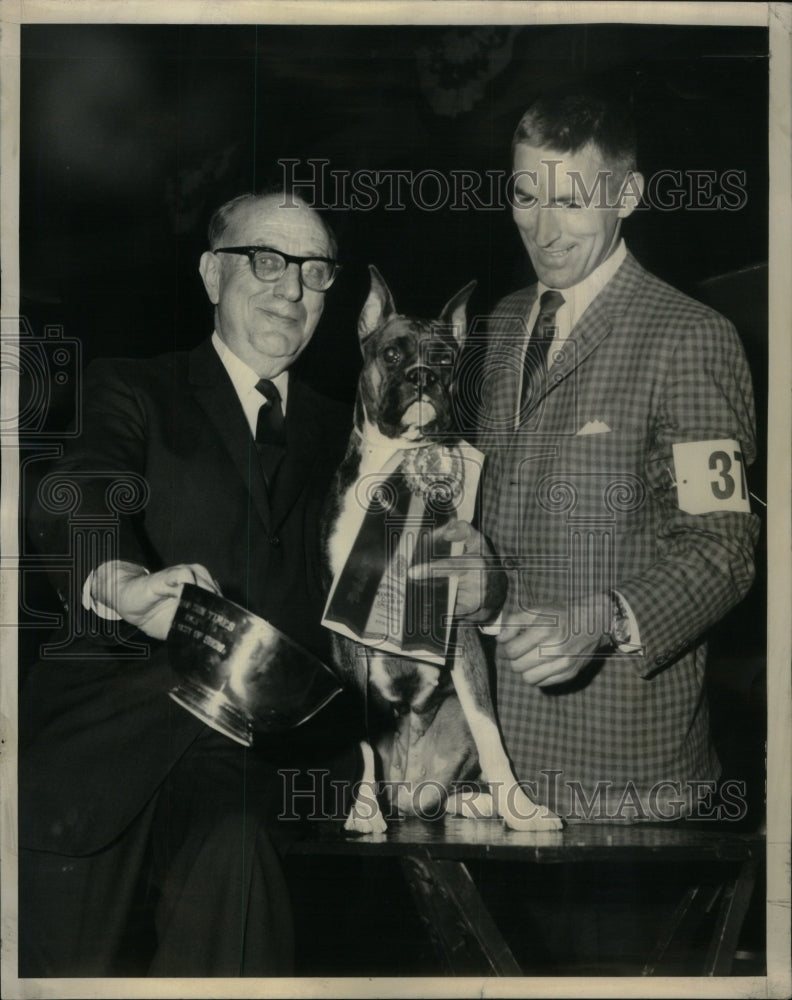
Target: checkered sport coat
x,y
571,513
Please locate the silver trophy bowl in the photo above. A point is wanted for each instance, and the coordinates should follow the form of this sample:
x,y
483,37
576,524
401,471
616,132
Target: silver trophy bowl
x,y
239,674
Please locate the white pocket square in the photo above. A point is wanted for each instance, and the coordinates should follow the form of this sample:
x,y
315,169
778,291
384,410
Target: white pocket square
x,y
594,427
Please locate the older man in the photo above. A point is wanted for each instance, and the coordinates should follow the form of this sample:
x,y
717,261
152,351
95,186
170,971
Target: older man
x,y
618,420
117,781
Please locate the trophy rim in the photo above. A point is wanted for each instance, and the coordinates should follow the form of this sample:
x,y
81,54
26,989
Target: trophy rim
x,y
256,620
239,719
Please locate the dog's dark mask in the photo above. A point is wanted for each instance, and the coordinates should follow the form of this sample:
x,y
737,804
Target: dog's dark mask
x,y
408,365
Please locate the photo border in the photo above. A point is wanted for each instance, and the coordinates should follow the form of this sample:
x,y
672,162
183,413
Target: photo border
x,y
778,17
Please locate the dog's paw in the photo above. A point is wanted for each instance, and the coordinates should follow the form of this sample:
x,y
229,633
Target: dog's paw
x,y
471,805
523,814
542,821
365,819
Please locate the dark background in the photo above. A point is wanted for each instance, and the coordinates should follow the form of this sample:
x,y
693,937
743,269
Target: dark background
x,y
131,135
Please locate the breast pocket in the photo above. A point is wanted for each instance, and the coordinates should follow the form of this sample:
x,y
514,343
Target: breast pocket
x,y
594,476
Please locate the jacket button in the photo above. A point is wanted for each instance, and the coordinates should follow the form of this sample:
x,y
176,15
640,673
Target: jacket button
x,y
510,562
275,541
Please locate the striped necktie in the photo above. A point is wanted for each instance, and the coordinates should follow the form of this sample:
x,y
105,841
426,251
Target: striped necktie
x,y
542,336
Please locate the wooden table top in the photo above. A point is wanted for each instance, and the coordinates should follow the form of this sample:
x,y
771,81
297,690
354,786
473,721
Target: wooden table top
x,y
453,837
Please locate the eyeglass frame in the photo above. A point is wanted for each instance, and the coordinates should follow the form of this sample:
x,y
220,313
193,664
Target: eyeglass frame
x,y
288,258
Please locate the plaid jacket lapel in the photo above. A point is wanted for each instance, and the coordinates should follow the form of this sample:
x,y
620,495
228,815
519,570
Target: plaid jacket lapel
x,y
588,333
508,332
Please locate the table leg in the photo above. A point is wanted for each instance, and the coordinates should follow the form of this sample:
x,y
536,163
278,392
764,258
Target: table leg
x,y
459,925
698,902
734,905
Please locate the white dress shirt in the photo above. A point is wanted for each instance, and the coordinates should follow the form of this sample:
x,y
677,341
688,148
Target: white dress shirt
x,y
244,380
577,299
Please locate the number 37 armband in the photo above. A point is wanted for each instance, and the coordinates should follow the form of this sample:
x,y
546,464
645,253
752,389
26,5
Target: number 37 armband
x,y
710,476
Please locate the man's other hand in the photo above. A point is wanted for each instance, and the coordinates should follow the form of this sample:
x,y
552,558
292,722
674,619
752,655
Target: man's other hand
x,y
147,600
551,644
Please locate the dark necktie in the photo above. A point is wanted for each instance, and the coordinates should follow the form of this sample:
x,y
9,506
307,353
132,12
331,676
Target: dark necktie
x,y
270,435
542,336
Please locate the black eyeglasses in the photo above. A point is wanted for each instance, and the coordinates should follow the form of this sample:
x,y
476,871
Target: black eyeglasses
x,y
316,273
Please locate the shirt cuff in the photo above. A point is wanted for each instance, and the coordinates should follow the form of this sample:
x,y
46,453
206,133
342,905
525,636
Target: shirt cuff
x,y
91,604
634,645
494,627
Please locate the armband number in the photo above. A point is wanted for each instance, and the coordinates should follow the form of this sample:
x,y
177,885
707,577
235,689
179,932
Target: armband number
x,y
710,476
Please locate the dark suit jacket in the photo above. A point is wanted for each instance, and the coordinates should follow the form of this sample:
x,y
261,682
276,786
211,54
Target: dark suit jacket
x,y
573,512
98,733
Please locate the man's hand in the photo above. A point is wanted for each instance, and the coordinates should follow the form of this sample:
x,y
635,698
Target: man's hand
x,y
481,583
550,644
147,600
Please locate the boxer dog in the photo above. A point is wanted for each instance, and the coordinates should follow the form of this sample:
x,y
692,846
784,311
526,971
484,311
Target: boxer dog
x,y
434,728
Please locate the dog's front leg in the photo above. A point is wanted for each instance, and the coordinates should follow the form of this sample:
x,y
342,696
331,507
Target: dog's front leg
x,y
366,816
509,801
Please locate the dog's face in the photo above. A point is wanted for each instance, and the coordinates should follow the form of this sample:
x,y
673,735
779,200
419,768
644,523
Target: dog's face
x,y
408,365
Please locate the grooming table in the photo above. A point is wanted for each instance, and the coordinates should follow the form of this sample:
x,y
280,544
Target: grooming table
x,y
464,934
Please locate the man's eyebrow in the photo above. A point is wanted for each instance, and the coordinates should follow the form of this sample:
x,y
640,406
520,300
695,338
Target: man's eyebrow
x,y
272,245
560,200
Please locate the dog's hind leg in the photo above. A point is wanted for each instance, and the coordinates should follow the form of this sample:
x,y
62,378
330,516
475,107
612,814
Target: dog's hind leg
x,y
510,801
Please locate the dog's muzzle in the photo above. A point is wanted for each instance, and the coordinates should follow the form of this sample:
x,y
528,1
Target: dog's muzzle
x,y
421,377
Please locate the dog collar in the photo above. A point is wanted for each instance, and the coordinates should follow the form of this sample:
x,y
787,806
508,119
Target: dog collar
x,y
372,438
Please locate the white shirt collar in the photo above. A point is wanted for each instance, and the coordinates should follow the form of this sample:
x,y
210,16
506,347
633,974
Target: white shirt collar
x,y
579,297
243,377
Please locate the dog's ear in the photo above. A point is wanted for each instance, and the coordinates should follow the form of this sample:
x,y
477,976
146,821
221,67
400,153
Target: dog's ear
x,y
454,313
377,308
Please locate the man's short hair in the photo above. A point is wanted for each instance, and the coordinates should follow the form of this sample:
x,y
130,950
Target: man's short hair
x,y
221,218
566,122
